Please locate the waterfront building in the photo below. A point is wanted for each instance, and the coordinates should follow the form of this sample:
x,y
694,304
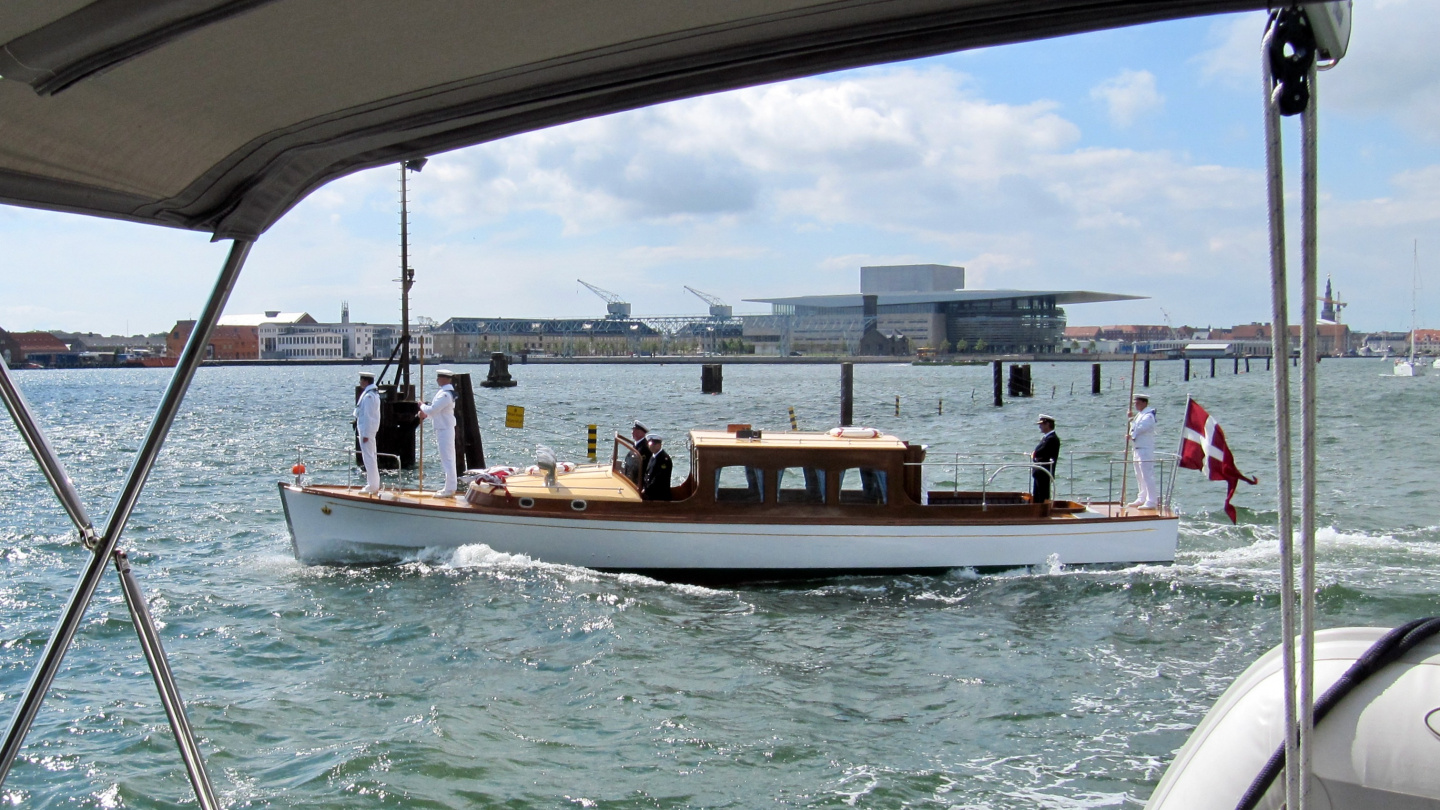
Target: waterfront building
x,y
236,337
40,348
926,304
1427,342
476,338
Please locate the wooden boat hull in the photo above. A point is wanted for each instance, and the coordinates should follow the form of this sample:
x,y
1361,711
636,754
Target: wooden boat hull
x,y
331,525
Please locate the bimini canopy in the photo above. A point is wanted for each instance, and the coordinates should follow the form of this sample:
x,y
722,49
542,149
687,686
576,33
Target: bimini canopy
x,y
219,115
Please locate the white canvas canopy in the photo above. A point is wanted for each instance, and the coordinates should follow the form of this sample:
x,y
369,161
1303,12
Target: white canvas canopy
x,y
219,115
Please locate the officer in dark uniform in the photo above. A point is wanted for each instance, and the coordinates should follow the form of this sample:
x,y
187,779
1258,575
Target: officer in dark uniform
x,y
657,472
1047,452
636,460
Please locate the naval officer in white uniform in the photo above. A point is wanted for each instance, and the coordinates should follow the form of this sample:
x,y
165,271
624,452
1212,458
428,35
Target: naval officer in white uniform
x,y
367,424
441,413
1142,434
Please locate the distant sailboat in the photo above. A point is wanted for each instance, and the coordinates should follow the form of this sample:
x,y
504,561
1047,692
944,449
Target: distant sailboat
x,y
1410,367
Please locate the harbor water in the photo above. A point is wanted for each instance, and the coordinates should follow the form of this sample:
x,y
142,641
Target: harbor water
x,y
476,679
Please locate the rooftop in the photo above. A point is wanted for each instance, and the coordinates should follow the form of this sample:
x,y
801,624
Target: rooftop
x,y
269,316
794,441
1062,297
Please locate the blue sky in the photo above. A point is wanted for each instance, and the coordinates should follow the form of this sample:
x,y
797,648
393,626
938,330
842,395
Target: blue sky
x,y
1125,161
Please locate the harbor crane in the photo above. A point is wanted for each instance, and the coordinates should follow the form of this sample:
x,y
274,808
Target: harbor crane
x,y
615,307
719,310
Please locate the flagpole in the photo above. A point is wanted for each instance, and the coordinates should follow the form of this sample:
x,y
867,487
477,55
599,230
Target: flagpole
x,y
1179,451
1129,415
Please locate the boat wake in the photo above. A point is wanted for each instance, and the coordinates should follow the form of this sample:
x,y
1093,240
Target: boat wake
x,y
481,556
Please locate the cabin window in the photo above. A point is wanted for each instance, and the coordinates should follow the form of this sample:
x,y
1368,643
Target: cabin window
x,y
739,485
863,485
801,485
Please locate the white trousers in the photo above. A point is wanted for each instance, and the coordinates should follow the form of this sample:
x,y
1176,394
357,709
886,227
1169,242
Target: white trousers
x,y
1149,494
446,440
372,467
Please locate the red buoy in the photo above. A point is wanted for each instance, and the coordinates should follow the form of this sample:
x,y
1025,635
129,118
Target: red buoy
x,y
298,469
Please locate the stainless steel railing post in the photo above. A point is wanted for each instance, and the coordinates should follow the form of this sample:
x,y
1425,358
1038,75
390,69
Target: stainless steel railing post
x,y
54,653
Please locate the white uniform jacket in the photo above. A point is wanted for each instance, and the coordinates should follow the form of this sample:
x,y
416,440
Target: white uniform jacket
x,y
367,412
1142,433
441,410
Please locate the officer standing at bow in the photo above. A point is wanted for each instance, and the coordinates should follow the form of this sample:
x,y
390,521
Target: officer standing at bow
x,y
1046,454
1142,433
441,411
367,425
657,472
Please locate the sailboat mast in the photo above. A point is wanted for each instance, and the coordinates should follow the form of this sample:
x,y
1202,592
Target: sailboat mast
x,y
407,278
1414,294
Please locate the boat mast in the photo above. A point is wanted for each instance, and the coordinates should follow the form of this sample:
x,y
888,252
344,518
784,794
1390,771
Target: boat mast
x,y
1414,294
407,275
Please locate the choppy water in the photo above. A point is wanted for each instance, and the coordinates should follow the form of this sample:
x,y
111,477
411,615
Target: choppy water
x,y
480,680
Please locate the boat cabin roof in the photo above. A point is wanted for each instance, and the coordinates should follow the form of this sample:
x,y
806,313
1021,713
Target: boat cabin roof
x,y
703,439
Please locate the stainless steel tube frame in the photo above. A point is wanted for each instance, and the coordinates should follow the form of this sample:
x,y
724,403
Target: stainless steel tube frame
x,y
64,487
45,456
54,653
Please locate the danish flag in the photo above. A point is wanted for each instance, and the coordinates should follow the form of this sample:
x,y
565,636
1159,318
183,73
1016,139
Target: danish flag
x,y
1204,448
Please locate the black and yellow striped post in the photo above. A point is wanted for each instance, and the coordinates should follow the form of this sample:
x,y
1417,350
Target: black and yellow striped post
x,y
793,424
590,441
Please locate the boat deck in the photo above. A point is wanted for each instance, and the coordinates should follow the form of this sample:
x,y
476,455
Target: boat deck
x,y
590,485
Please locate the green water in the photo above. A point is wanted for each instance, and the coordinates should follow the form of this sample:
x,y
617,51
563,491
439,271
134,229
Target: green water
x,y
475,679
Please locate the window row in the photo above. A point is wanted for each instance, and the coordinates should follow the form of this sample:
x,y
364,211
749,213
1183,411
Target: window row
x,y
857,485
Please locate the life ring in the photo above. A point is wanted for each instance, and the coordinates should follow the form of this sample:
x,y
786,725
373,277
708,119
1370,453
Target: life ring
x,y
854,433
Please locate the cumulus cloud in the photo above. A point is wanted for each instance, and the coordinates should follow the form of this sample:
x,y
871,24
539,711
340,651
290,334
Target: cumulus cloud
x,y
1128,96
771,190
1233,55
1388,70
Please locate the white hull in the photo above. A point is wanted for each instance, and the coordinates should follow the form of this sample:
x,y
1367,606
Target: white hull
x,y
1378,748
1408,368
326,528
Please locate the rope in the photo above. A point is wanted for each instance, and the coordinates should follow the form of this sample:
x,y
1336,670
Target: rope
x,y
1388,649
1309,403
1280,349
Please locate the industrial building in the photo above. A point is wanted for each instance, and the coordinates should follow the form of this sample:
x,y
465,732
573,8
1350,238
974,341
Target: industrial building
x,y
924,303
476,338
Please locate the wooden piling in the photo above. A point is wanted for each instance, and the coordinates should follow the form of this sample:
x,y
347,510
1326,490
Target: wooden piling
x,y
1095,379
847,394
1147,373
1187,369
1212,367
469,447
711,381
998,379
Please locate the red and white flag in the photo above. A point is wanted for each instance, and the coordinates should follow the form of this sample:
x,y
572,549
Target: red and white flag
x,y
1204,448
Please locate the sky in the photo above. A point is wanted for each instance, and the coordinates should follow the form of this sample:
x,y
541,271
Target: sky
x,y
1125,161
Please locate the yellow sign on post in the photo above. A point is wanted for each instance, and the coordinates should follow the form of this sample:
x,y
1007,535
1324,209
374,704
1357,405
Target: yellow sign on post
x,y
514,416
